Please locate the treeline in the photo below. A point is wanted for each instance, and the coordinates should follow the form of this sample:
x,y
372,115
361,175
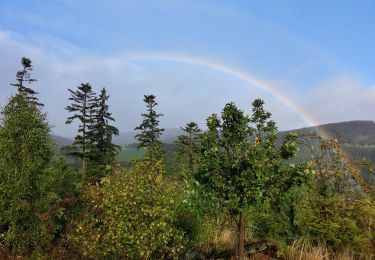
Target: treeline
x,y
231,190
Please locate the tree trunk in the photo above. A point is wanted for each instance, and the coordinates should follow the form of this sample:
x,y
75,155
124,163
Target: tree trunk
x,y
241,236
191,160
83,167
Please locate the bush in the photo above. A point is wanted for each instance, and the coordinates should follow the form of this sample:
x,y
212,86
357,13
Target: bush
x,y
60,186
130,214
338,221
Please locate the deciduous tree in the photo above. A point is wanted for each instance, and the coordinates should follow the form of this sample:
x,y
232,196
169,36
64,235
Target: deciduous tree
x,y
25,151
241,164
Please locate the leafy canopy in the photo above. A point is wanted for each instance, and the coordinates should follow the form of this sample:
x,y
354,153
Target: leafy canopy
x,y
25,151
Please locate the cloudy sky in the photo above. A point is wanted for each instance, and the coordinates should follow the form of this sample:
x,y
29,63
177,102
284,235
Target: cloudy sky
x,y
311,61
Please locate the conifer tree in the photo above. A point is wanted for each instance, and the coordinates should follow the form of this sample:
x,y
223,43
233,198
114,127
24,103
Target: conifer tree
x,y
82,106
188,145
150,132
23,77
104,151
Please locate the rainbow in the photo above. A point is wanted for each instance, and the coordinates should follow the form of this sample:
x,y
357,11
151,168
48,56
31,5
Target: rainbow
x,y
244,76
237,73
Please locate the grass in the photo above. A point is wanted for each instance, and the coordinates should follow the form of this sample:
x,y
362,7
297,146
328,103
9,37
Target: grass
x,y
128,154
302,249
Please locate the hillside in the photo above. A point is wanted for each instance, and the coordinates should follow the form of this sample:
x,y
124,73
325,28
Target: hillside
x,y
128,138
357,137
351,132
60,141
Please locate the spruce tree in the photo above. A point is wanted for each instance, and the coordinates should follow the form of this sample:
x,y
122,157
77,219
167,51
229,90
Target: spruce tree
x,y
150,132
23,77
188,145
103,151
82,107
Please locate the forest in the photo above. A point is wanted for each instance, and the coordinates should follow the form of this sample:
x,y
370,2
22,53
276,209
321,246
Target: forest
x,y
239,189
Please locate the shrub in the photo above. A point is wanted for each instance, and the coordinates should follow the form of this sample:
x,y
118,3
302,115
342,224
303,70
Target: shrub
x,y
130,214
337,221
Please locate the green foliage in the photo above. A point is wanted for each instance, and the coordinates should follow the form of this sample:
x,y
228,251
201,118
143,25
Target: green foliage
x,y
197,210
336,211
83,102
150,132
268,220
103,152
333,209
188,145
23,76
241,173
130,214
35,192
25,151
237,174
338,221
61,187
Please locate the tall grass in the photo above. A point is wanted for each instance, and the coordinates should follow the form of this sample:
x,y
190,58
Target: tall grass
x,y
303,249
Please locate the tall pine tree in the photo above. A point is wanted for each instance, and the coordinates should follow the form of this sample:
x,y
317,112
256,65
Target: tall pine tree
x,y
23,77
104,151
150,132
188,145
82,107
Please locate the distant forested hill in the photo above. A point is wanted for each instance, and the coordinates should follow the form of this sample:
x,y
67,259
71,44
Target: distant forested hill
x,y
60,141
168,137
356,137
356,134
352,132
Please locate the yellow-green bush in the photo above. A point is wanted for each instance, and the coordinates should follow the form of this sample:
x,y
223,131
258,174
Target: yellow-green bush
x,y
130,214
